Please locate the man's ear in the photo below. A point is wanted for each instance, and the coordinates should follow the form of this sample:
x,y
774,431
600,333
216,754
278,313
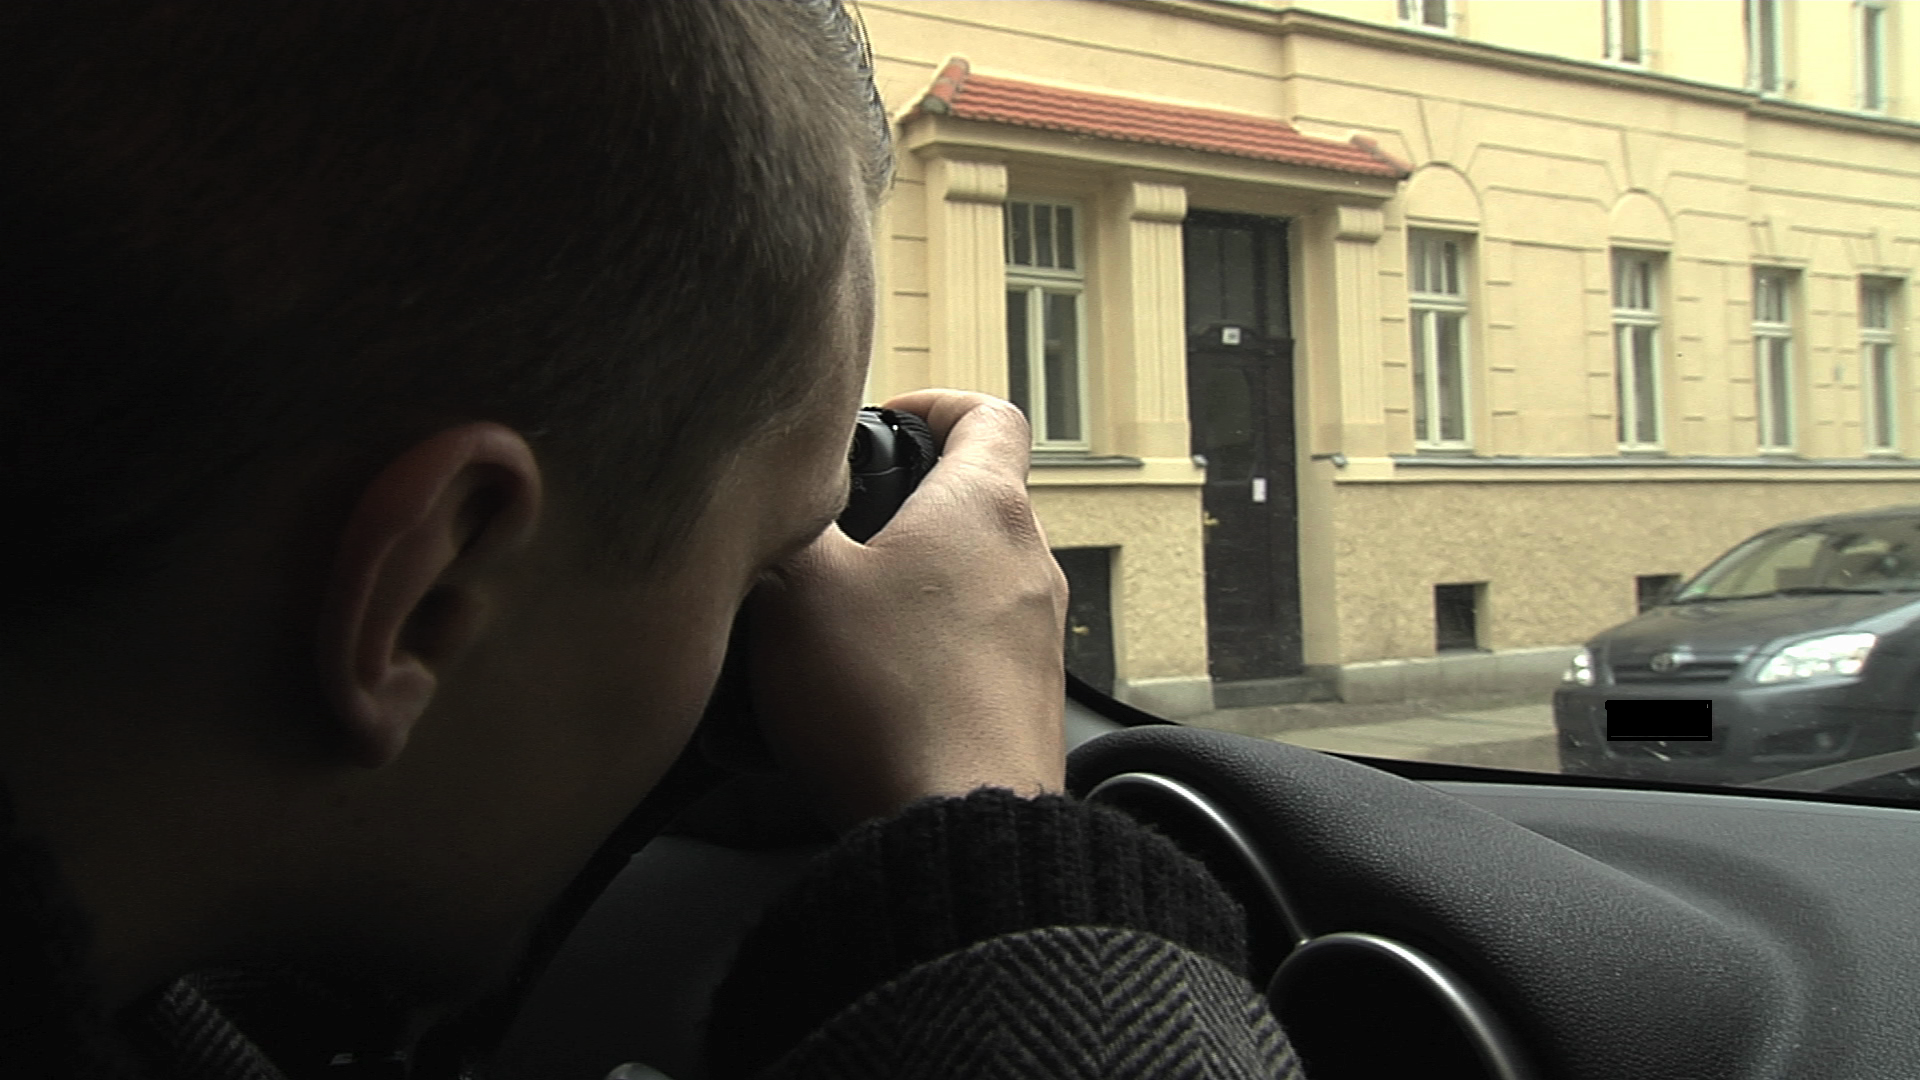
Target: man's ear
x,y
408,590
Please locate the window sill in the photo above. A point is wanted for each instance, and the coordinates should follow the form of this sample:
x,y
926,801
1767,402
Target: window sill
x,y
1074,459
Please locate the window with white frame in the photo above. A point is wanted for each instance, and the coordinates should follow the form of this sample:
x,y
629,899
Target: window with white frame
x,y
1871,16
1636,350
1773,357
1427,14
1046,324
1764,68
1437,302
1626,31
1879,363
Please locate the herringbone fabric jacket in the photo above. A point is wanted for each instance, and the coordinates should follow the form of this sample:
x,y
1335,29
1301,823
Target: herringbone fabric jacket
x,y
998,937
1067,1003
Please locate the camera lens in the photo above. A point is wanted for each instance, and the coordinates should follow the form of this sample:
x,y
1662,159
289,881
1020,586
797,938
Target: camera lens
x,y
860,454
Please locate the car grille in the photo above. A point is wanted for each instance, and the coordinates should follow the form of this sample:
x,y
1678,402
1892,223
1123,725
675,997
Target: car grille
x,y
1667,751
1693,671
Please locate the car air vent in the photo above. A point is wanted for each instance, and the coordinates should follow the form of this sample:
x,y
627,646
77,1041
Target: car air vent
x,y
1210,834
1684,671
1361,1006
1354,1005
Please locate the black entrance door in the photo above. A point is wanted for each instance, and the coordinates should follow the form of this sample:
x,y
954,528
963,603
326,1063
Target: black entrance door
x,y
1240,403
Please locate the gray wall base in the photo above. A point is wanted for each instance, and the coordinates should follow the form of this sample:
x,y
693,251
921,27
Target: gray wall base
x,y
1171,698
1514,671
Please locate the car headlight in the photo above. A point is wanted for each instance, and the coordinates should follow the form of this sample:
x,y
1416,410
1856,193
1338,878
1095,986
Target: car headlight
x,y
1835,654
1580,670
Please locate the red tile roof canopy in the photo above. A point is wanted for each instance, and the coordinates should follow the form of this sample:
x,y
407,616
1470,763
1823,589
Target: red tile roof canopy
x,y
956,91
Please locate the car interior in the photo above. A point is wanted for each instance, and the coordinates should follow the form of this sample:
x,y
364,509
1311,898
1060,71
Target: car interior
x,y
1406,918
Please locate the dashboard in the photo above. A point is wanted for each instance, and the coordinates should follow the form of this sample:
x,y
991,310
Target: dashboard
x,y
1454,924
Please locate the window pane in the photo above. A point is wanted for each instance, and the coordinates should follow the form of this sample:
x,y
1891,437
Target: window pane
x,y
1646,408
1043,236
1880,380
1434,264
1622,382
1020,233
1766,27
1450,377
1629,30
1063,367
1633,283
1876,309
1769,298
1434,13
1422,325
1872,73
1779,414
1063,235
1018,369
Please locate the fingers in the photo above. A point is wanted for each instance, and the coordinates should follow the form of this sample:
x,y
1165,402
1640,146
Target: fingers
x,y
975,430
925,661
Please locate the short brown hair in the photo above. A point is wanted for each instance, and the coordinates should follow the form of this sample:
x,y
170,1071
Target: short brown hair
x,y
228,228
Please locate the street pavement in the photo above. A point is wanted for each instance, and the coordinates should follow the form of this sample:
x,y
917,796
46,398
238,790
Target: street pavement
x,y
1507,733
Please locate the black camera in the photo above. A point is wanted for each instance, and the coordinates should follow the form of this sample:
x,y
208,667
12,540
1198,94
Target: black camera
x,y
891,452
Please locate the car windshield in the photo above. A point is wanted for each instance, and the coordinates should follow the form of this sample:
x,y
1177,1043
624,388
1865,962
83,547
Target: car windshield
x,y
1391,364
1869,556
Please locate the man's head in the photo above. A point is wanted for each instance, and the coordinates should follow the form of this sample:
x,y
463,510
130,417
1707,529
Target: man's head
x,y
398,401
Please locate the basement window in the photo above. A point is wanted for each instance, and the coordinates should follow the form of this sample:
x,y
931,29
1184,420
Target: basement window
x,y
1456,616
1652,590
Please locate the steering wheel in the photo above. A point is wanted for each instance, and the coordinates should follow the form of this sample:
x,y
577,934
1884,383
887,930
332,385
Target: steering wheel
x,y
1400,931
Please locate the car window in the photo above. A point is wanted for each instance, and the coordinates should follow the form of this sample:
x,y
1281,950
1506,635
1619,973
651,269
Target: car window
x,y
1420,381
1766,564
1869,556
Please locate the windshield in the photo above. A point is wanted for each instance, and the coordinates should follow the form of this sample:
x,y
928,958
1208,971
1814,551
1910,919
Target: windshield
x,y
1870,556
1392,363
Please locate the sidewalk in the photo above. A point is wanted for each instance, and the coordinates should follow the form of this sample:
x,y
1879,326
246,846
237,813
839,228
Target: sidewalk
x,y
1509,733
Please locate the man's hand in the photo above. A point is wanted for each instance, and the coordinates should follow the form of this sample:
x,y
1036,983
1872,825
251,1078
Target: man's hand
x,y
926,661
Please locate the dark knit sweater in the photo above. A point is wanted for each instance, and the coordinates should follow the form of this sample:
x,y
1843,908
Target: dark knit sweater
x,y
983,937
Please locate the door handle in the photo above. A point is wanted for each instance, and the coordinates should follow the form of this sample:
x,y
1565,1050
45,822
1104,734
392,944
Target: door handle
x,y
1208,520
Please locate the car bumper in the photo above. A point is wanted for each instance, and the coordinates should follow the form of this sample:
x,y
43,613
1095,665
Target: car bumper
x,y
1759,731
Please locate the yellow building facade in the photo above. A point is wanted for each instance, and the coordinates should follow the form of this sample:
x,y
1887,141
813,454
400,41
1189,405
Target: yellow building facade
x,y
1394,346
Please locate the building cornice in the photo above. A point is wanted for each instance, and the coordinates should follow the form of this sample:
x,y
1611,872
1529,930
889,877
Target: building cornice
x,y
1638,468
932,137
1285,21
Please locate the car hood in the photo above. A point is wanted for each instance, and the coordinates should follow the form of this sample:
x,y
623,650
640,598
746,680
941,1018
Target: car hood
x,y
1734,628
